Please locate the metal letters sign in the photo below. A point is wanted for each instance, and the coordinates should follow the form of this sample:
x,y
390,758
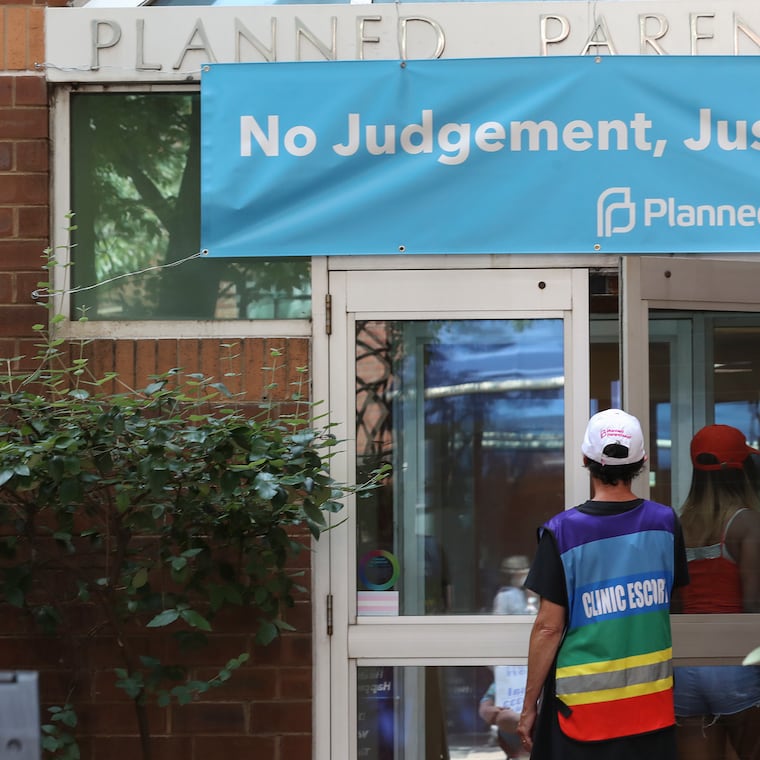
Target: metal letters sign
x,y
519,155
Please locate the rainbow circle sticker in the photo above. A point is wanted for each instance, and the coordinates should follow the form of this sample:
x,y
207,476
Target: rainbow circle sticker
x,y
378,570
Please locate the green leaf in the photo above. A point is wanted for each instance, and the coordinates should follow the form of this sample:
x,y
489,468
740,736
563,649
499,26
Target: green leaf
x,y
140,578
14,596
167,617
265,485
267,632
195,620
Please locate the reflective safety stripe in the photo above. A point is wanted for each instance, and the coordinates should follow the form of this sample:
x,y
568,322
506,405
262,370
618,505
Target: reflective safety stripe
x,y
616,678
621,663
634,690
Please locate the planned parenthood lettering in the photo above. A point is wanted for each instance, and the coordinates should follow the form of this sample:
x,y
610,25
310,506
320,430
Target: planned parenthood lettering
x,y
566,155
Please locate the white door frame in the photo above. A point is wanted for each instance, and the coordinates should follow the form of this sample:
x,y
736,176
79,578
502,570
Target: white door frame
x,y
466,292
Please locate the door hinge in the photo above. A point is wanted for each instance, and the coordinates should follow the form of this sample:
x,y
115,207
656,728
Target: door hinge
x,y
328,314
329,614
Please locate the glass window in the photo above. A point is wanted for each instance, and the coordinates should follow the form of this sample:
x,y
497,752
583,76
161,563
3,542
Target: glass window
x,y
135,188
408,713
471,415
704,369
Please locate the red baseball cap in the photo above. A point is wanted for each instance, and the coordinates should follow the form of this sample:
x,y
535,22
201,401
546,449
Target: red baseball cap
x,y
727,444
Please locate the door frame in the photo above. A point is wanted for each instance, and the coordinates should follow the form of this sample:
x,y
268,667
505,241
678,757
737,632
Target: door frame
x,y
696,282
442,289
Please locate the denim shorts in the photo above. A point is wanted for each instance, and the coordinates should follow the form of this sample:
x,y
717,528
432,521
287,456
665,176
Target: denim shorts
x,y
716,689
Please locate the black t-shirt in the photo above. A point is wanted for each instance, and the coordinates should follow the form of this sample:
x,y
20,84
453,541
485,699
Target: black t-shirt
x,y
547,579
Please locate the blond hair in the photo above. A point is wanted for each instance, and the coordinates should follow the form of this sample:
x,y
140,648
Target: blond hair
x,y
714,496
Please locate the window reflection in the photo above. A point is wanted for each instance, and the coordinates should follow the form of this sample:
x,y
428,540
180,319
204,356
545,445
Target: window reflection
x,y
470,415
704,370
135,186
427,713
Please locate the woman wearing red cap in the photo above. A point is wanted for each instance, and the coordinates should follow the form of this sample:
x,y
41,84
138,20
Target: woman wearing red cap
x,y
718,708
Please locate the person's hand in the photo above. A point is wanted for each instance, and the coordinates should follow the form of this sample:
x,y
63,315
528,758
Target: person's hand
x,y
525,727
506,720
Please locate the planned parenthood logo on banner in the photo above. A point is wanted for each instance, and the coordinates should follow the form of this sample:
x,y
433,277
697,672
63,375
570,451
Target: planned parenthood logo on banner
x,y
638,154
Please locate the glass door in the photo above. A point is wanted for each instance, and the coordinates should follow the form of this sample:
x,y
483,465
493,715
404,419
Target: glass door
x,y
472,386
702,358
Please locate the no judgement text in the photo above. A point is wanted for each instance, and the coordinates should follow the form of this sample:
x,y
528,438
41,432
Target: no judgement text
x,y
455,141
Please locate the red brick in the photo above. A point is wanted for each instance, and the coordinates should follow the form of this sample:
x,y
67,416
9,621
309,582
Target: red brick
x,y
16,19
166,355
145,361
31,91
246,684
26,349
32,156
208,718
117,718
295,683
6,224
57,687
254,361
289,649
221,649
6,156
281,717
128,748
236,619
296,746
239,747
29,189
26,284
18,320
21,254
8,349
299,616
6,82
6,288
23,123
209,361
28,653
12,620
188,352
36,49
33,222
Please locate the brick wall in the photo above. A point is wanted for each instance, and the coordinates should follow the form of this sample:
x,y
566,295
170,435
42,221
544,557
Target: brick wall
x,y
265,710
24,168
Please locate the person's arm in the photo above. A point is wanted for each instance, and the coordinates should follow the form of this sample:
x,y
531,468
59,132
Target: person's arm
x,y
488,711
545,638
504,718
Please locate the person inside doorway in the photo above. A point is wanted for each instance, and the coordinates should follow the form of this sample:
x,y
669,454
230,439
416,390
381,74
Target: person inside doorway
x,y
500,705
513,598
503,720
718,707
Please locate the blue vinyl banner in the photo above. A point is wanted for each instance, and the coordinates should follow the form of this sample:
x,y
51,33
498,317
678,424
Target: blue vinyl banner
x,y
644,154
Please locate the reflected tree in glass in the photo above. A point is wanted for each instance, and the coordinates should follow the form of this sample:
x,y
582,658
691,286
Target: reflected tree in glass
x,y
135,173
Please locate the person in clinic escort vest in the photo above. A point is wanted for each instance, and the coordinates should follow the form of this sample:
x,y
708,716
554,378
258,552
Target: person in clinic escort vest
x,y
600,674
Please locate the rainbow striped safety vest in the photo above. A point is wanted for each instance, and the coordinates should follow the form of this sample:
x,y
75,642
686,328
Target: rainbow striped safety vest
x,y
614,673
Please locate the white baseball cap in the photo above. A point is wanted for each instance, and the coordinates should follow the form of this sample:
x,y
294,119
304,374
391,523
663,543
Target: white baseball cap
x,y
613,426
